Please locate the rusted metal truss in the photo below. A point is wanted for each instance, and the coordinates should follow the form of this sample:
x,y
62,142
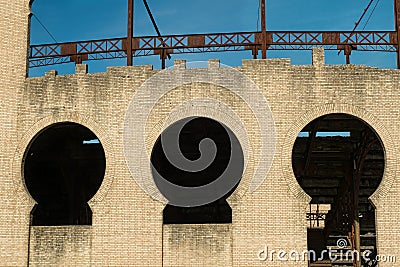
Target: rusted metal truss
x,y
49,54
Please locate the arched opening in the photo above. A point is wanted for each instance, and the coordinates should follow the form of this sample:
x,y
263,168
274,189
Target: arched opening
x,y
338,160
190,135
64,166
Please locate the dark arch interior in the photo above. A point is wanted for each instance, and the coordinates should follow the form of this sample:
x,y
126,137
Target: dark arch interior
x,y
339,161
63,168
192,133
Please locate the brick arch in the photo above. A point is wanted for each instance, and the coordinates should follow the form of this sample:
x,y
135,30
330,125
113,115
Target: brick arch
x,y
373,122
19,183
214,109
242,96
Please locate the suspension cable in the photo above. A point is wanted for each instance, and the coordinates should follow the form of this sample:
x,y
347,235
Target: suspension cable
x,y
362,16
360,19
44,27
155,25
372,13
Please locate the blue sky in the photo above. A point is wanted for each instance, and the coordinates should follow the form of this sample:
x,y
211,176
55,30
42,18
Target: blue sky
x,y
76,20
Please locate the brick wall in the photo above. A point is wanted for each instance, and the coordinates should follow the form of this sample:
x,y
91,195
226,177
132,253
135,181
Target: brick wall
x,y
127,225
197,245
60,246
13,53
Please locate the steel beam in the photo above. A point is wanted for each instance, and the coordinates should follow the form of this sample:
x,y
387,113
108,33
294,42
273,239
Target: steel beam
x,y
129,47
48,54
129,54
263,29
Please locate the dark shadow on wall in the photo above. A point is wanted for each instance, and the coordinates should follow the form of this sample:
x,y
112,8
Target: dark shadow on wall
x,y
190,136
63,168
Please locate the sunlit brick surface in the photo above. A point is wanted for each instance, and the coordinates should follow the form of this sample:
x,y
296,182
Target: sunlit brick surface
x,y
127,225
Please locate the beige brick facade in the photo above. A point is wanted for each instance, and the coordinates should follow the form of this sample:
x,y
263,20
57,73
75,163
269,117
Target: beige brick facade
x,y
127,227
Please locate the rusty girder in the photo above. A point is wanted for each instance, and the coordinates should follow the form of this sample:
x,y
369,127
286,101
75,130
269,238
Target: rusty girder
x,y
49,54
